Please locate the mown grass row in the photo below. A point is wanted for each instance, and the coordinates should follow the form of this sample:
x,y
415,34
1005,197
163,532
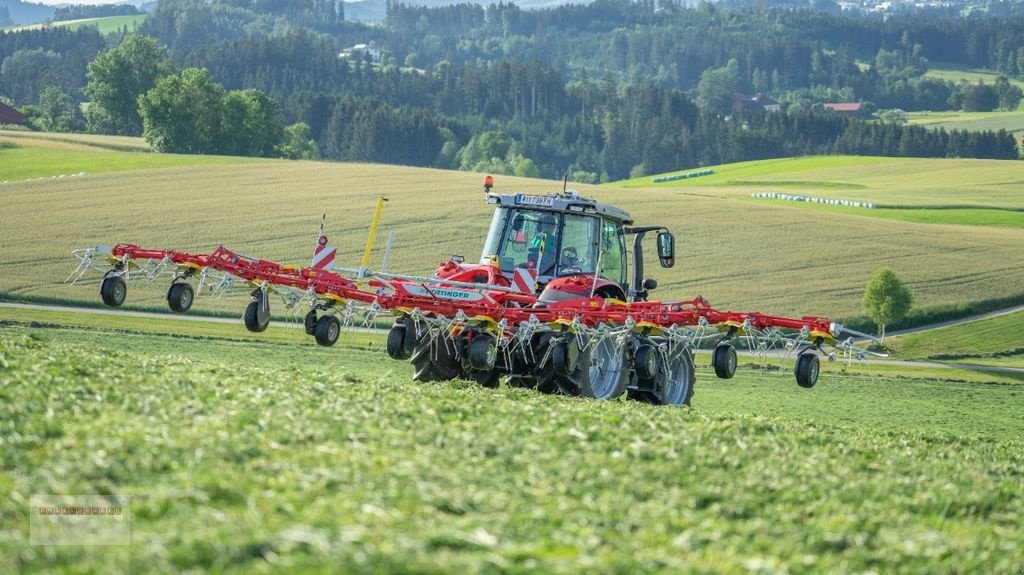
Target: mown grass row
x,y
249,457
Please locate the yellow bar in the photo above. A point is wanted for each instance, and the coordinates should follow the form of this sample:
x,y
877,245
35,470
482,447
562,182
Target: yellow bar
x,y
373,230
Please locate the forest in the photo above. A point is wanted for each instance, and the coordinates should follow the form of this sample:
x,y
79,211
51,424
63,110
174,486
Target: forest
x,y
603,91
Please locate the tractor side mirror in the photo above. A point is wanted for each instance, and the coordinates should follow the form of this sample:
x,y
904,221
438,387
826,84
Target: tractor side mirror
x,y
650,284
666,249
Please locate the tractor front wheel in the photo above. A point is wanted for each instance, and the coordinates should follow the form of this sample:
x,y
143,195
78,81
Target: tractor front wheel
x,y
433,359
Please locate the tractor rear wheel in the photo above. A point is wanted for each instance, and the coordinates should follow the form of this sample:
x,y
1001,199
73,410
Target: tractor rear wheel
x,y
328,330
673,386
806,369
180,297
599,372
724,360
113,290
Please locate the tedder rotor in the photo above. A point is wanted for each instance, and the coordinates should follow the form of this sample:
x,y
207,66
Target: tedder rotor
x,y
551,305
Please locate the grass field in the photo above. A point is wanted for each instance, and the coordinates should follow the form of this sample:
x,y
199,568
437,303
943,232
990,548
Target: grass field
x,y
954,73
107,25
994,341
740,254
962,192
243,455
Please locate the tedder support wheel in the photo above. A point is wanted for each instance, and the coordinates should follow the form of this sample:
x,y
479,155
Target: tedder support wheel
x,y
724,360
113,290
180,297
482,353
309,322
328,329
257,313
806,369
600,370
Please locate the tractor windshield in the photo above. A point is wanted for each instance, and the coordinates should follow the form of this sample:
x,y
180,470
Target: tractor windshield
x,y
553,243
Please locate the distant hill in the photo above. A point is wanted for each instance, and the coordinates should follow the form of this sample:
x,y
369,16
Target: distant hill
x,y
18,12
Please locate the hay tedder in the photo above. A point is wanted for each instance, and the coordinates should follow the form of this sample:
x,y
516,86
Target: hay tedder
x,y
551,305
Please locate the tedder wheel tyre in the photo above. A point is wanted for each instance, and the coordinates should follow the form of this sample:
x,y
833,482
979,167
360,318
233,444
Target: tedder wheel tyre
x,y
180,297
113,290
433,359
483,352
724,360
328,329
255,321
397,349
309,322
806,369
600,373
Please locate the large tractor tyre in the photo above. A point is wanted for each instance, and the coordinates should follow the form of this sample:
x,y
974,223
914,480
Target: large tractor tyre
x,y
180,297
255,320
600,371
113,290
724,360
328,330
489,379
806,369
673,386
434,359
309,322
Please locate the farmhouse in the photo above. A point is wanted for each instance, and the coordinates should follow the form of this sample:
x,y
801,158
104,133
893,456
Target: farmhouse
x,y
365,51
9,115
853,109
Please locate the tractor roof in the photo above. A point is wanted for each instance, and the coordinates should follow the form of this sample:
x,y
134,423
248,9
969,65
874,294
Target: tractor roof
x,y
570,201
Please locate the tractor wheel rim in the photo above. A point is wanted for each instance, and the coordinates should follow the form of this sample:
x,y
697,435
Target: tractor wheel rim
x,y
605,367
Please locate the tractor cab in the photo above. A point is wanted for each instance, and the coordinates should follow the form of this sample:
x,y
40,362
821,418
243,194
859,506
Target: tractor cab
x,y
574,245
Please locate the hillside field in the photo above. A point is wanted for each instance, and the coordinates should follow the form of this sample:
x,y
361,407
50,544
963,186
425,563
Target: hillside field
x,y
251,454
774,257
994,341
106,25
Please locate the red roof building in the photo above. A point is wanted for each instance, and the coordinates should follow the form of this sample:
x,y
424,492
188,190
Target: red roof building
x,y
9,115
849,108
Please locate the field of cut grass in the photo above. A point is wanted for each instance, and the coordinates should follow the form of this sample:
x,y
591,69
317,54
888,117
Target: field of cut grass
x,y
972,121
249,456
962,192
52,157
107,25
740,255
994,341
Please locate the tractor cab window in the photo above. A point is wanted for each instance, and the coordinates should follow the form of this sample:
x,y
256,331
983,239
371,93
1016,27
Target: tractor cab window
x,y
580,242
613,252
529,239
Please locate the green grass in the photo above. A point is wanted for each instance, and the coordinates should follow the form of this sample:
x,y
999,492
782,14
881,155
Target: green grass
x,y
978,342
264,456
